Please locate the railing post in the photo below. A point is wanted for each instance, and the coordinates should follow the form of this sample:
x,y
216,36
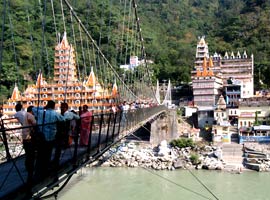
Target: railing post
x,y
100,129
8,156
76,138
120,119
108,128
114,123
90,135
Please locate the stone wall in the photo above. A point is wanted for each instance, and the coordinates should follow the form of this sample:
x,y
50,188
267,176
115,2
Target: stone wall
x,y
164,128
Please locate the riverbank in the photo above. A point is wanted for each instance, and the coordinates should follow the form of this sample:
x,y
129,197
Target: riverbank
x,y
164,157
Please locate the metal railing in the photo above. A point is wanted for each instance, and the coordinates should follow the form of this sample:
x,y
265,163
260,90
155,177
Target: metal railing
x,y
105,130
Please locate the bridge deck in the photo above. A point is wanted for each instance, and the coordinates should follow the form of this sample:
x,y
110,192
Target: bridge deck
x,y
14,175
105,134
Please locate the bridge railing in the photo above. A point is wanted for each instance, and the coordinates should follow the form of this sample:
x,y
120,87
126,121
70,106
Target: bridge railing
x,y
105,129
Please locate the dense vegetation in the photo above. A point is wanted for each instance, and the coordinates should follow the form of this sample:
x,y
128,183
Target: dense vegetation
x,y
170,29
182,143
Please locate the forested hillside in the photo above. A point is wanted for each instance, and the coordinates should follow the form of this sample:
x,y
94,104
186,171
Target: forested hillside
x,y
170,29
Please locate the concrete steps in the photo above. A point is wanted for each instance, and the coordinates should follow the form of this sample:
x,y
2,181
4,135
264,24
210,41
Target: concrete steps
x,y
232,155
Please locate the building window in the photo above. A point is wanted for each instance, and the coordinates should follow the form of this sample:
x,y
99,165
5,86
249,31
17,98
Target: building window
x,y
77,95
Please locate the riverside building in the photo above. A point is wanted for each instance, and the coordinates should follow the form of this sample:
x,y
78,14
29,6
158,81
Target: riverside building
x,y
210,78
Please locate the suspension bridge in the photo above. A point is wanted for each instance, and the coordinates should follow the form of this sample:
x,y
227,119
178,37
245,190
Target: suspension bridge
x,y
92,49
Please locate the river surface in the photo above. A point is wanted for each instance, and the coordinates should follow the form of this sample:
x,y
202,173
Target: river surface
x,y
142,184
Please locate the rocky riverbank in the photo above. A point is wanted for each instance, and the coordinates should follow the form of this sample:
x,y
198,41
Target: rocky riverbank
x,y
163,157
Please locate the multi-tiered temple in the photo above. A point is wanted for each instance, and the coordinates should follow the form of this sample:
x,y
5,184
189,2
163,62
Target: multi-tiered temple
x,y
237,66
230,75
65,86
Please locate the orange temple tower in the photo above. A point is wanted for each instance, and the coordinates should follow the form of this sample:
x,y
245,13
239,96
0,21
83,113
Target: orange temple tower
x,y
65,87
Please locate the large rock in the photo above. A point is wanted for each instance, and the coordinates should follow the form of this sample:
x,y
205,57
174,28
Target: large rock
x,y
178,163
163,149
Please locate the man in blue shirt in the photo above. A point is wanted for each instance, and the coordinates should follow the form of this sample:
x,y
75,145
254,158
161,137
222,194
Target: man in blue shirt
x,y
63,132
47,119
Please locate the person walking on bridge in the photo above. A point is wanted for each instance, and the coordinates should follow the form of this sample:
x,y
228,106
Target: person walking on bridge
x,y
63,131
86,118
20,114
27,119
71,118
125,109
47,119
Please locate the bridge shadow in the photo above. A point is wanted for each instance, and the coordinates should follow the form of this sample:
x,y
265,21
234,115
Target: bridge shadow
x,y
106,130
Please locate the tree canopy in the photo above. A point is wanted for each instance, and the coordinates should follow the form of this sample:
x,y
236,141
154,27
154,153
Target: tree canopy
x,y
170,29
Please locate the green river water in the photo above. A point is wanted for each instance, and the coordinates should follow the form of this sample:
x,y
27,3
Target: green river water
x,y
140,184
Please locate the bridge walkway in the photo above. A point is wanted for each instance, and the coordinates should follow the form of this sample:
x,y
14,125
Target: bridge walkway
x,y
107,129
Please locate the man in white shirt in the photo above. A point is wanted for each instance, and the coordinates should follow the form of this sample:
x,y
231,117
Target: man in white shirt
x,y
20,114
27,119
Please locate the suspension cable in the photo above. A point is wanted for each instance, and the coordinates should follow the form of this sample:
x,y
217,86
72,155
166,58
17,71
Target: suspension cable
x,y
31,40
75,46
96,46
177,184
109,28
63,17
101,20
67,72
47,58
203,184
127,35
13,43
123,30
77,63
54,21
143,49
43,17
88,51
85,72
2,36
102,64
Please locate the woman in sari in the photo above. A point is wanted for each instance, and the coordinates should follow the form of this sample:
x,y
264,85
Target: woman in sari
x,y
86,117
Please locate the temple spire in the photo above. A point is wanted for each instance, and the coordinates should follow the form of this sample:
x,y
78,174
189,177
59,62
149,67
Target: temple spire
x,y
114,89
91,81
205,72
211,65
15,94
40,80
64,42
